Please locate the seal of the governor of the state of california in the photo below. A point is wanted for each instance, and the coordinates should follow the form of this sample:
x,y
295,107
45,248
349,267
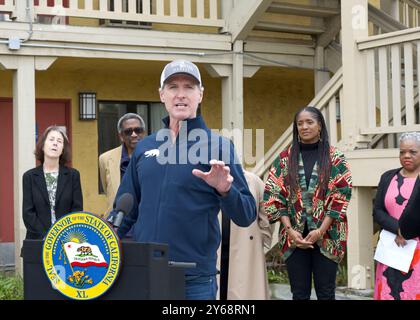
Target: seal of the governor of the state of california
x,y
81,256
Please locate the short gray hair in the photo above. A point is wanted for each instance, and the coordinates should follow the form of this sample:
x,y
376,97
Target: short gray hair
x,y
415,136
128,116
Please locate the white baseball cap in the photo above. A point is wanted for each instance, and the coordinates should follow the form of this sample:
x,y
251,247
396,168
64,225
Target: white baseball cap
x,y
180,67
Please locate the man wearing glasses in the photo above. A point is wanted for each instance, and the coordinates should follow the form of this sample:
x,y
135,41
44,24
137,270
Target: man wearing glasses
x,y
113,163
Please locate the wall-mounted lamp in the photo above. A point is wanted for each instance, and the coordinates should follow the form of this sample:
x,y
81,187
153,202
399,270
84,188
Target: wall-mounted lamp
x,y
87,105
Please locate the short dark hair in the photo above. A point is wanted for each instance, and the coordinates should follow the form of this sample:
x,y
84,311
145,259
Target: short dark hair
x,y
65,155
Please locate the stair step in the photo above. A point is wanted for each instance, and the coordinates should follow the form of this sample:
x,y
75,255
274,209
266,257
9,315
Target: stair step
x,y
303,10
289,28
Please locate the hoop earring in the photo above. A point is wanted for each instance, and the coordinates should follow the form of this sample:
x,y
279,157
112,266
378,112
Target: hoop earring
x,y
319,136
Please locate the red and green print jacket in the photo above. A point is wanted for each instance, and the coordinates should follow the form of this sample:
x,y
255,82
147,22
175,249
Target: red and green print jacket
x,y
279,202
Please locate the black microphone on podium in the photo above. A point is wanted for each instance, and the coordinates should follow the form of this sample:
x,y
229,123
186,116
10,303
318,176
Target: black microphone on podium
x,y
123,206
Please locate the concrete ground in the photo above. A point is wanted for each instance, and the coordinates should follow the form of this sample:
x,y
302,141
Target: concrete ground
x,y
282,292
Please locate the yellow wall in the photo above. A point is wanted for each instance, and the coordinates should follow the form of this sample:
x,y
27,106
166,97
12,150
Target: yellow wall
x,y
270,100
272,97
6,83
376,3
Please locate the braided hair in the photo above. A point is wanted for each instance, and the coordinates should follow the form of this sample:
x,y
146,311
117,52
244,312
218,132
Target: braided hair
x,y
324,165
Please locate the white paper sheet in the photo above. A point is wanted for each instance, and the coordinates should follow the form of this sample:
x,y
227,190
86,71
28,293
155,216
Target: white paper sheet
x,y
390,254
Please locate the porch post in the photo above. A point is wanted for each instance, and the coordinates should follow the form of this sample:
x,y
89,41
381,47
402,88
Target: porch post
x,y
23,132
353,106
354,22
232,122
237,113
232,96
23,141
360,264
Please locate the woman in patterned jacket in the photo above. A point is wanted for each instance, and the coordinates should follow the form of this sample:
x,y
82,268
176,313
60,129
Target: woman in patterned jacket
x,y
308,191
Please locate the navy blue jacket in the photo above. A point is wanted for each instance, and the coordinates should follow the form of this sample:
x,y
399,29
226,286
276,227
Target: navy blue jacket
x,y
173,206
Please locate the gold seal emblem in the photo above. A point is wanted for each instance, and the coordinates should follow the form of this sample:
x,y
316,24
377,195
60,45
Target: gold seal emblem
x,y
81,256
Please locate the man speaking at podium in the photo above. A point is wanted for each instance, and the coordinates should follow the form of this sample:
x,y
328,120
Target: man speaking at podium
x,y
180,177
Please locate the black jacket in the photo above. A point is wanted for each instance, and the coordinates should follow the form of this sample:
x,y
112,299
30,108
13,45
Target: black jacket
x,y
410,219
36,204
380,214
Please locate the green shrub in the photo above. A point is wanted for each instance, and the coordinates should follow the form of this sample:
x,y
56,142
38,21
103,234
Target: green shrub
x,y
341,279
11,287
276,269
277,277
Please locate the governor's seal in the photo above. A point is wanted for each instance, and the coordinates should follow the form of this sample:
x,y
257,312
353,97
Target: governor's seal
x,y
81,256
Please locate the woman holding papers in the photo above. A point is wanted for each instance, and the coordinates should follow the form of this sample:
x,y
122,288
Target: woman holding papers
x,y
394,190
50,190
308,191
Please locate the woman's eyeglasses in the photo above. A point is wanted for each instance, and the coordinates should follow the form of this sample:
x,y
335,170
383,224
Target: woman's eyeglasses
x,y
129,131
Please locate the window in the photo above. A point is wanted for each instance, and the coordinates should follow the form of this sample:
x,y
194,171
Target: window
x,y
109,112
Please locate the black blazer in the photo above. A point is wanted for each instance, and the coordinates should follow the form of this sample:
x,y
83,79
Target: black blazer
x,y
380,214
410,219
36,204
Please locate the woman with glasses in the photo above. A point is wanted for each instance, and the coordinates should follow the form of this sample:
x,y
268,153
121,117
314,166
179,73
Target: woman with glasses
x,y
308,191
113,163
51,190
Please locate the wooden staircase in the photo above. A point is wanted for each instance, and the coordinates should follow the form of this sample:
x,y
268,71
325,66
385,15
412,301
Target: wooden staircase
x,y
386,71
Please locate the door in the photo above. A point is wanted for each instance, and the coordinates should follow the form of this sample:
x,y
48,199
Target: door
x,y
52,112
6,167
47,112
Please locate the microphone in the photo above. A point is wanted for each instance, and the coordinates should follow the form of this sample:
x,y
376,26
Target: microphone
x,y
123,206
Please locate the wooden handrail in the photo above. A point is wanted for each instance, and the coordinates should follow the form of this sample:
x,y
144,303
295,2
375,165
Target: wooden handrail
x,y
205,13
